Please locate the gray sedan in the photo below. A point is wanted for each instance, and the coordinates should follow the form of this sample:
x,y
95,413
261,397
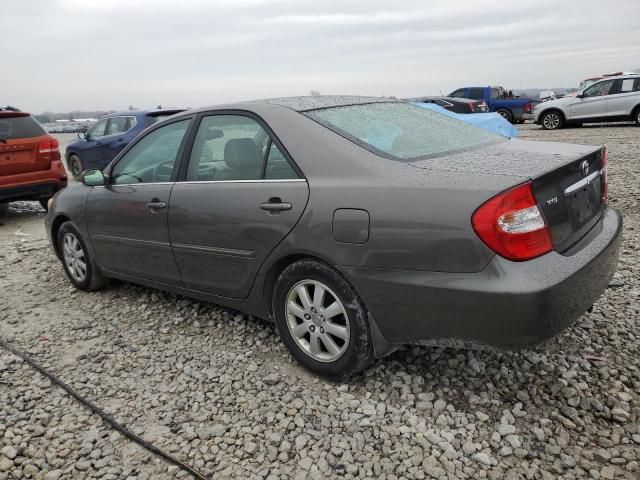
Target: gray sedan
x,y
356,224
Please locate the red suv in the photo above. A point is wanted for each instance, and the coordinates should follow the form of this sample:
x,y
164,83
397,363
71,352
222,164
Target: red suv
x,y
30,166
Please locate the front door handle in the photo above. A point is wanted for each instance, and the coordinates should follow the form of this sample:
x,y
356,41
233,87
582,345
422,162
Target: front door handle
x,y
275,204
155,204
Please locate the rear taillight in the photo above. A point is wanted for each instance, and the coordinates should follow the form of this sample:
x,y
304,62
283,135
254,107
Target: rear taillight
x,y
471,108
527,108
605,176
511,225
48,145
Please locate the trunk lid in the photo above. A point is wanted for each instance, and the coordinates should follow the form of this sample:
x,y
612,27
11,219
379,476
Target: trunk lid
x,y
571,198
570,201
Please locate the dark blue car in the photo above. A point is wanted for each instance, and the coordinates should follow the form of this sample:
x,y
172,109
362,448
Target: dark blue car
x,y
104,140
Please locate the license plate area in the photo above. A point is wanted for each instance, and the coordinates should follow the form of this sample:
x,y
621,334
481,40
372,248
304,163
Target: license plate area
x,y
584,201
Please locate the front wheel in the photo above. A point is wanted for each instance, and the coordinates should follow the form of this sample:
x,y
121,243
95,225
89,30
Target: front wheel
x,y
75,167
76,260
322,320
552,120
637,117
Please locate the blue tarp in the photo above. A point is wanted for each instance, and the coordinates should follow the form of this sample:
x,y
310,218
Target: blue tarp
x,y
488,121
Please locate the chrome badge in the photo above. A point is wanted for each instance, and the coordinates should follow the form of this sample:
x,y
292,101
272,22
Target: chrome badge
x,y
584,168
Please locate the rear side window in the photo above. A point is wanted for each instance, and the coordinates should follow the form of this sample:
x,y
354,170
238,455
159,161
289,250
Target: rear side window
x,y
460,93
12,128
402,131
119,125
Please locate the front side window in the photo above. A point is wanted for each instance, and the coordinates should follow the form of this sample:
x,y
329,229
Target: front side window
x,y
599,89
496,93
152,158
99,129
227,147
400,130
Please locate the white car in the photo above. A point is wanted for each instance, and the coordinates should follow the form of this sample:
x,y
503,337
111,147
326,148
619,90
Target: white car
x,y
611,99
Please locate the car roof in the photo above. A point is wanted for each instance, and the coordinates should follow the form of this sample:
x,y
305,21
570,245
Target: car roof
x,y
299,104
151,112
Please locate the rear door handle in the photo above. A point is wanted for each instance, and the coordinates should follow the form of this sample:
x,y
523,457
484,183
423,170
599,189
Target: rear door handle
x,y
156,204
275,204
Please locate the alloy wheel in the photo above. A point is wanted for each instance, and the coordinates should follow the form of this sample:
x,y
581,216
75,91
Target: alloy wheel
x,y
317,320
551,121
74,257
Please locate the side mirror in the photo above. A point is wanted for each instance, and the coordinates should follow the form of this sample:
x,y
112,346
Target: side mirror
x,y
82,135
93,178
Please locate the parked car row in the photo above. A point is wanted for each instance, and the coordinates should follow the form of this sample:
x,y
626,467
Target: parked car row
x,y
303,211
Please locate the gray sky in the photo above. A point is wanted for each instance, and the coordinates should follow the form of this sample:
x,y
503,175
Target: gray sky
x,y
107,54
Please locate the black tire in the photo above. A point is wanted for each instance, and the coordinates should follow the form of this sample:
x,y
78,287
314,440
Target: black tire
x,y
506,114
357,352
92,279
636,116
44,204
75,167
552,120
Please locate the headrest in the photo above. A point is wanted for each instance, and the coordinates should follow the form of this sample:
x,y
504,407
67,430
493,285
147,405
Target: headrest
x,y
242,153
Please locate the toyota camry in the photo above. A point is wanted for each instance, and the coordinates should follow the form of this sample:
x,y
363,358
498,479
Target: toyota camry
x,y
356,224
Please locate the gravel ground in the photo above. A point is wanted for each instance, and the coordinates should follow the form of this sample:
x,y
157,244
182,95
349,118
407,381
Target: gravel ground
x,y
217,389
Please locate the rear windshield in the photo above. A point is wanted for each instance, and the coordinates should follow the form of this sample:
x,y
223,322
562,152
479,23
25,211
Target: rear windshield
x,y
12,128
402,131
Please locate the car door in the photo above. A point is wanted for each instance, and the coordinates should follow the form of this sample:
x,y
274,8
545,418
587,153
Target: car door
x,y
115,136
91,149
624,97
127,219
592,103
239,197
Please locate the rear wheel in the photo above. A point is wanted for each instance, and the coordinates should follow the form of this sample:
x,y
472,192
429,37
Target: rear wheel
x,y
322,320
552,120
76,260
75,167
636,116
506,114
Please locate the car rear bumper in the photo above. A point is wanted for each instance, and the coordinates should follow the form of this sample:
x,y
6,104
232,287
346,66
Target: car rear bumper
x,y
527,116
33,185
508,305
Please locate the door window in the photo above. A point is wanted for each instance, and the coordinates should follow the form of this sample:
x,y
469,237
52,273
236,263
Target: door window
x,y
626,85
599,89
278,167
119,125
152,158
98,130
496,93
476,93
228,147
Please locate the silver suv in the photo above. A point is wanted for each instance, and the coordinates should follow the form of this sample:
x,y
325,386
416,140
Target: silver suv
x,y
612,99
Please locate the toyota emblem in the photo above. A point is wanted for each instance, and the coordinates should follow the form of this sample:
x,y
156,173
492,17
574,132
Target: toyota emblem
x,y
584,168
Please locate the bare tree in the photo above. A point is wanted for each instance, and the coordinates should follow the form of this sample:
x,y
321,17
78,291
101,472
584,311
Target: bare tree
x,y
315,93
